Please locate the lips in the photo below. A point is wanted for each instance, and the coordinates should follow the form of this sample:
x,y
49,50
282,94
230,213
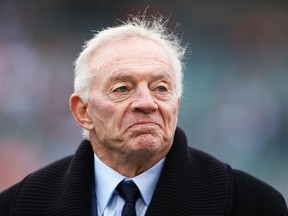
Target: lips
x,y
144,125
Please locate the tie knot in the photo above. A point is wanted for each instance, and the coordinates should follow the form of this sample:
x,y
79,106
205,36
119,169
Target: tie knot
x,y
129,191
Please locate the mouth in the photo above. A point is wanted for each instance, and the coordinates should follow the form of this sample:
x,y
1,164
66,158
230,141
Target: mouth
x,y
144,125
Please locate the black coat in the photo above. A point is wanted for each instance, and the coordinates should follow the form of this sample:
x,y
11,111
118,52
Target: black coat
x,y
191,183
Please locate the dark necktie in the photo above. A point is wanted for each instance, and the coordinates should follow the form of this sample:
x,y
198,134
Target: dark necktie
x,y
129,191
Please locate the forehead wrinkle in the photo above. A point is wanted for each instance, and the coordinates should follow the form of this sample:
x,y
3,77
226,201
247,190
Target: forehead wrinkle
x,y
123,76
116,70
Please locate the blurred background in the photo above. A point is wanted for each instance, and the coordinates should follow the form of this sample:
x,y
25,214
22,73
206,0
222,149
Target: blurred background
x,y
235,104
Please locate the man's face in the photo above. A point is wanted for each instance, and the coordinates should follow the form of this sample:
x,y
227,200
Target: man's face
x,y
132,99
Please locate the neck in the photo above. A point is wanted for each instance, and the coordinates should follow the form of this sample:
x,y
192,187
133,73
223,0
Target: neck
x,y
130,165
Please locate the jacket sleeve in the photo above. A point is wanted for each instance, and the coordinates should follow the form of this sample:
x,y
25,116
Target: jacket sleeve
x,y
7,198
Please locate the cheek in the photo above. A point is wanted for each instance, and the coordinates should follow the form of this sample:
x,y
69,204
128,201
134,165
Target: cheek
x,y
105,115
100,112
171,113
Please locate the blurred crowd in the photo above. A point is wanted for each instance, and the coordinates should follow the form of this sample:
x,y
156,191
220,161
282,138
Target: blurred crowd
x,y
235,103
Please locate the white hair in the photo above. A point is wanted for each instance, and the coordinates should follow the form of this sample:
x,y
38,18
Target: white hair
x,y
151,28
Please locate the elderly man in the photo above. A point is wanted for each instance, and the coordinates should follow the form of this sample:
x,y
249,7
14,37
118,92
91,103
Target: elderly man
x,y
134,160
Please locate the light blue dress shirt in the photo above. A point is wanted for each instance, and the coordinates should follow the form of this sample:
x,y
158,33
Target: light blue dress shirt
x,y
107,179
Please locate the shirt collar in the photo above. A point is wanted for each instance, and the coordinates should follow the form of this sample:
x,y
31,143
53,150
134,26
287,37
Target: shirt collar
x,y
107,179
147,181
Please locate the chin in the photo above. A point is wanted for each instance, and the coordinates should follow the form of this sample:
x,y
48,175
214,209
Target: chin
x,y
149,143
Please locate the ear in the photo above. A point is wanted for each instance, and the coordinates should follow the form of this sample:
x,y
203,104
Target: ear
x,y
79,111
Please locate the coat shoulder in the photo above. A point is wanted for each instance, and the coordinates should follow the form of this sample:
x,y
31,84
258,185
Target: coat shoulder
x,y
35,181
6,198
256,195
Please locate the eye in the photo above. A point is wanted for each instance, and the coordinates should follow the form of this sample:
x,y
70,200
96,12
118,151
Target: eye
x,y
122,89
162,88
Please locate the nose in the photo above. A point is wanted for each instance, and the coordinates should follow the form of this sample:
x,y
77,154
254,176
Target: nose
x,y
144,101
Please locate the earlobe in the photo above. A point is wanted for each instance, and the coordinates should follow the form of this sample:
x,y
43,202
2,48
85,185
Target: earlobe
x,y
79,111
